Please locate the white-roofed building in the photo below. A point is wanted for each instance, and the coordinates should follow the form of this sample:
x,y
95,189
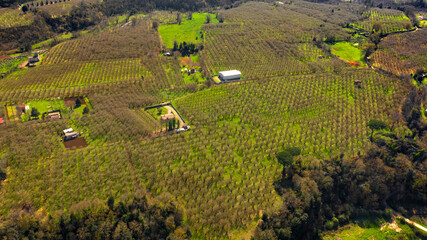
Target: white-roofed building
x,y
230,75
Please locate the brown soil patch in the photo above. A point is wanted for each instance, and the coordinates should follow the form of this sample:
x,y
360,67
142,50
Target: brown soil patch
x,y
71,101
77,143
2,58
23,65
393,226
186,61
7,52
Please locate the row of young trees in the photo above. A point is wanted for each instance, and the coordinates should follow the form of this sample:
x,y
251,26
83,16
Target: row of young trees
x,y
322,195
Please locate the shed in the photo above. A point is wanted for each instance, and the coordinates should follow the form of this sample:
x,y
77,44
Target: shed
x,y
68,130
21,107
54,115
192,70
230,75
33,60
70,134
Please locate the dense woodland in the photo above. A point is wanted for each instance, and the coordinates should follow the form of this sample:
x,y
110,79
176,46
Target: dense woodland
x,y
140,219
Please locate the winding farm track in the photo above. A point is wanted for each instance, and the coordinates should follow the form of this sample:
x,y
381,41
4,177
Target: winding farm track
x,y
397,214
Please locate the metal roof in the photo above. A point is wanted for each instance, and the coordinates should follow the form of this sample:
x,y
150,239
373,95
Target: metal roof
x,y
230,73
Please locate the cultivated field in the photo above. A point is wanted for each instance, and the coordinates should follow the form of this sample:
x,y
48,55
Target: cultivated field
x,y
253,42
14,18
56,8
187,31
389,20
224,168
403,53
222,172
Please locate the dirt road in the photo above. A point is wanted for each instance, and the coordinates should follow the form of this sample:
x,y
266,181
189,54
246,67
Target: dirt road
x,y
171,109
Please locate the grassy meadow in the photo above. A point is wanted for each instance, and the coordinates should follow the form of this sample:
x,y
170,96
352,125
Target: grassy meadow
x,y
348,52
187,31
373,229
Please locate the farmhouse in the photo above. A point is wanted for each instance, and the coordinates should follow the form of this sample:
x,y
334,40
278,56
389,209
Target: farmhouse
x,y
54,115
70,134
168,117
21,107
192,70
33,59
230,75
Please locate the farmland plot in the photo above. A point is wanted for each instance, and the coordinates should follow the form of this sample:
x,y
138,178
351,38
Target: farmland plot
x,y
390,20
403,53
74,74
267,43
14,18
225,167
127,42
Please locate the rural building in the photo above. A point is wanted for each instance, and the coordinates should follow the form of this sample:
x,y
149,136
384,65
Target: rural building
x,y
168,117
230,75
358,83
33,60
54,115
22,107
70,134
184,128
167,54
1,120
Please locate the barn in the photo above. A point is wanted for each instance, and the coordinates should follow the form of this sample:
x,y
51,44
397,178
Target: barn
x,y
230,75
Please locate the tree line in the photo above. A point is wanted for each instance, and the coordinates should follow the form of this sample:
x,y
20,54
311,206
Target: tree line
x,y
139,219
84,15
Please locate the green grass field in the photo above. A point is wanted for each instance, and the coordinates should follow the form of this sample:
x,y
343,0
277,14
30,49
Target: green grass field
x,y
155,112
9,64
372,230
47,42
46,105
188,31
348,52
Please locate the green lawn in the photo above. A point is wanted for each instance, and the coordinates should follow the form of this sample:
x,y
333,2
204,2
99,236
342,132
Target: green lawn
x,y
9,64
46,105
155,112
348,52
372,230
195,58
188,31
47,42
